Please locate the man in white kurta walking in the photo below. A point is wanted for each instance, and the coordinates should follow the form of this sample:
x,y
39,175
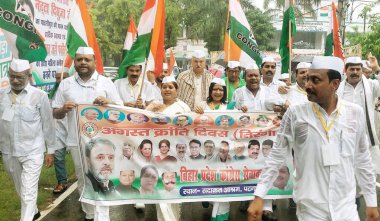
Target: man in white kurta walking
x,y
330,150
26,126
86,86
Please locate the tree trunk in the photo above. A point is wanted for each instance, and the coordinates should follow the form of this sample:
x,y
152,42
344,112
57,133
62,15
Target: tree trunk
x,y
341,11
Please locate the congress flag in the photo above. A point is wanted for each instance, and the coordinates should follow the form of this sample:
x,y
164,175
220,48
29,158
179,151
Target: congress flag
x,y
130,37
239,42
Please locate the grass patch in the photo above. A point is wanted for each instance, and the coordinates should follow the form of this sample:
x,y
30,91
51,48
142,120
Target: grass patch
x,y
9,200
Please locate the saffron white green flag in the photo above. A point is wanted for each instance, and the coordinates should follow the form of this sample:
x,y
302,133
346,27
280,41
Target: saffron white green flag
x,y
130,37
20,33
80,33
333,45
239,42
286,41
150,41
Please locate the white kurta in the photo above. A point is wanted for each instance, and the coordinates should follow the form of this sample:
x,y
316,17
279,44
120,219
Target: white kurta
x,y
264,99
323,192
295,95
23,137
76,90
273,86
204,106
130,93
178,107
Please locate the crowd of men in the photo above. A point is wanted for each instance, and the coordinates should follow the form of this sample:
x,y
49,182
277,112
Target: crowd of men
x,y
329,124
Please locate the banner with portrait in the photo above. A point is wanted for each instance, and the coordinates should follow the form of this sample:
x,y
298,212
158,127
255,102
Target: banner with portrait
x,y
131,155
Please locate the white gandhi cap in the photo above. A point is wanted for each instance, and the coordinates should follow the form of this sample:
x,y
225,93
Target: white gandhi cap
x,y
353,60
303,65
252,66
85,50
268,59
19,65
199,54
218,81
284,76
233,64
328,62
168,79
165,66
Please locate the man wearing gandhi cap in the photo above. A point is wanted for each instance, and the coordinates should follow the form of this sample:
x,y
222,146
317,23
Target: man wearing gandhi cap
x,y
27,130
330,152
232,79
193,84
268,70
364,92
84,87
296,94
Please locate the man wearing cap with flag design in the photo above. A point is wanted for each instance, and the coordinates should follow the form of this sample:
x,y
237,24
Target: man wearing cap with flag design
x,y
268,71
193,84
86,86
232,79
129,88
330,151
296,94
26,126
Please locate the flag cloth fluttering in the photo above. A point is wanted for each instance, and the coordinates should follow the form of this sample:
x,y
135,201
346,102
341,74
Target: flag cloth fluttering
x,y
287,36
239,42
149,43
173,62
20,33
80,33
333,45
130,37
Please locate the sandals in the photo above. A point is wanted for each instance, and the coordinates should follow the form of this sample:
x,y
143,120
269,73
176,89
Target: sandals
x,y
60,188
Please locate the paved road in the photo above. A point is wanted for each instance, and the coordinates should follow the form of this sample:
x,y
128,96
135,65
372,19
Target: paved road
x,y
69,210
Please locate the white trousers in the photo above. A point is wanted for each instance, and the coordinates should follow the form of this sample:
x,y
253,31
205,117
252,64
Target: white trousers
x,y
168,211
98,213
25,172
321,212
268,205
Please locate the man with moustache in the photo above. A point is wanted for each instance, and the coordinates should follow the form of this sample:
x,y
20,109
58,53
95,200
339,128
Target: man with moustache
x,y
193,84
181,148
86,86
296,94
253,96
330,147
223,155
27,131
100,157
233,80
253,149
268,70
127,177
129,88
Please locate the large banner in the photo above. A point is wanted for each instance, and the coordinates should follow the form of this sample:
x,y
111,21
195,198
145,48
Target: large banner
x,y
131,155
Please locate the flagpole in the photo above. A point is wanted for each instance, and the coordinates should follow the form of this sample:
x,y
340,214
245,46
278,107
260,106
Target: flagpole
x,y
290,44
143,79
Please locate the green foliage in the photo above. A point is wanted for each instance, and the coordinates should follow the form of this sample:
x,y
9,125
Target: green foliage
x,y
369,41
203,19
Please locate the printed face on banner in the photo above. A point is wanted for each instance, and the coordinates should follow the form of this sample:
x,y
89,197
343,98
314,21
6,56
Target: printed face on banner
x,y
283,178
169,179
101,161
127,177
163,162
92,114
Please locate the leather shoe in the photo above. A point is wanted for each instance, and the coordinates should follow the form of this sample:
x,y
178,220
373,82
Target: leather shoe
x,y
37,215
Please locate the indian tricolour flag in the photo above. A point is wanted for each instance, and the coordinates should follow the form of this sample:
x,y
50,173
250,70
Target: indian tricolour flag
x,y
80,33
149,45
333,45
130,37
20,33
288,31
239,42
